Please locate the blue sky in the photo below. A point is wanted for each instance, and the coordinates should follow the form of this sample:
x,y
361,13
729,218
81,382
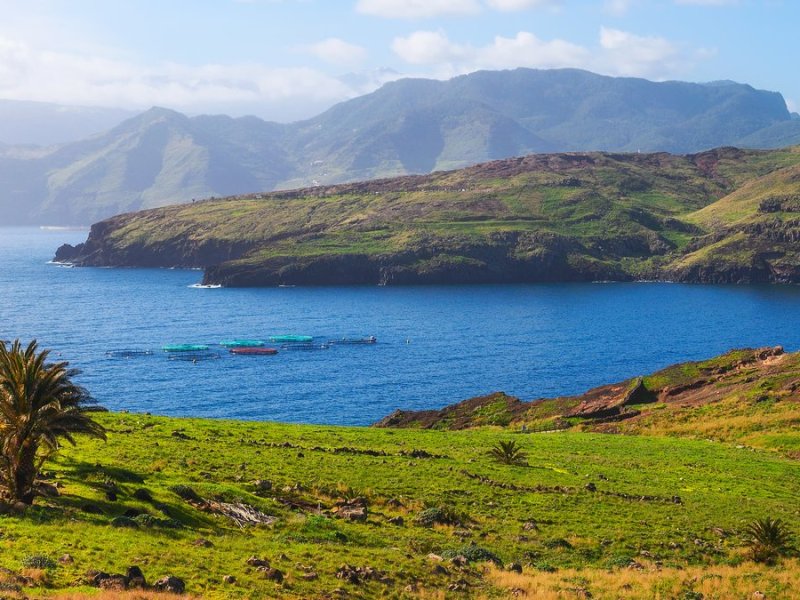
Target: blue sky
x,y
284,59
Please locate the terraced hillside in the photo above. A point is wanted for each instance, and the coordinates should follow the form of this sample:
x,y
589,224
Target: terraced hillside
x,y
726,215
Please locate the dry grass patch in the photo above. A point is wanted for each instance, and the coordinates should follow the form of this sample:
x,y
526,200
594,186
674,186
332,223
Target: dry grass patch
x,y
709,583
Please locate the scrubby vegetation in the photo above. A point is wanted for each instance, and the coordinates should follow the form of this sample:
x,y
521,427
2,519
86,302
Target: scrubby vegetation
x,y
726,215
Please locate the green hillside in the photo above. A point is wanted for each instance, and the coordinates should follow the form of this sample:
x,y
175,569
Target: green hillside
x,y
556,217
655,503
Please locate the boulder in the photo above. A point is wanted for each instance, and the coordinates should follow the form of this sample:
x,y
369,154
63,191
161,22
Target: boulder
x,y
171,584
136,578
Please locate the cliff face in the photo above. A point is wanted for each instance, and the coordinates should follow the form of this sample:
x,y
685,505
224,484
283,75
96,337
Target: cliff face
x,y
724,216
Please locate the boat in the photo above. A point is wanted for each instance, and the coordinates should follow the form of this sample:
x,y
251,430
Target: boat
x,y
371,339
304,346
253,351
184,347
242,343
128,353
291,339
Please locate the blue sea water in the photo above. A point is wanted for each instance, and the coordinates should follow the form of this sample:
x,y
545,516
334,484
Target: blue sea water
x,y
436,345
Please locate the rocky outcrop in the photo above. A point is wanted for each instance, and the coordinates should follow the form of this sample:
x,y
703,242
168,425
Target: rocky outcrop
x,y
687,384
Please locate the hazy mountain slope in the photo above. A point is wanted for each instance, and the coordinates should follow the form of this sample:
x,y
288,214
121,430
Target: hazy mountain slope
x,y
408,126
45,124
161,157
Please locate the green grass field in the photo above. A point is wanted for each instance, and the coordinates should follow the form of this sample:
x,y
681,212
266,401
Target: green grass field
x,y
542,516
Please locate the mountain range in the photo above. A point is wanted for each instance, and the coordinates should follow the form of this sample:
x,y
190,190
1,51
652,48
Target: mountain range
x,y
409,126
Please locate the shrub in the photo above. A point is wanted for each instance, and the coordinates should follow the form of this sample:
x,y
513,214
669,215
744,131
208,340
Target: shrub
x,y
473,554
38,561
438,515
124,522
508,453
769,539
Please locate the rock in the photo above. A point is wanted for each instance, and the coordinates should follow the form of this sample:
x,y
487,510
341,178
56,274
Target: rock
x,y
113,582
272,574
66,559
111,496
459,561
354,510
262,485
757,595
515,567
435,557
229,579
136,578
440,570
590,487
254,561
171,584
310,576
530,526
517,592
47,489
399,521
202,543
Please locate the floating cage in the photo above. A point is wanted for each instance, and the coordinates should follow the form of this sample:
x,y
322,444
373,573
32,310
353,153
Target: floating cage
x,y
128,353
371,339
195,356
307,346
242,343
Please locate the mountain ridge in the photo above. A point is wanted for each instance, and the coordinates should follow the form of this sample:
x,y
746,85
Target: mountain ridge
x,y
407,126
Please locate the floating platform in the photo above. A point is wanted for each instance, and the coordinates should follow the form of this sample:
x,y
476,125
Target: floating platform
x,y
253,351
184,347
242,343
291,339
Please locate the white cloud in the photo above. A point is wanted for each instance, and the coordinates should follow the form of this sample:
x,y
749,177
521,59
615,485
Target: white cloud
x,y
430,48
523,50
512,5
28,73
416,9
338,52
618,8
617,53
629,54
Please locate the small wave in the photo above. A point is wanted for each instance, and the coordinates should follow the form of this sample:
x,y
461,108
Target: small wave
x,y
205,286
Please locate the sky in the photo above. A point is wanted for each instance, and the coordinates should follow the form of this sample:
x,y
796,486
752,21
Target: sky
x,y
285,60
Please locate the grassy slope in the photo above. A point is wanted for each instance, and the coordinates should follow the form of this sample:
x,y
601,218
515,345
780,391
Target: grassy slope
x,y
733,398
722,487
621,209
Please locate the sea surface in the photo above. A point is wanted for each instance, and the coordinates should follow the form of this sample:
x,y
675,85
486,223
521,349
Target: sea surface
x,y
436,345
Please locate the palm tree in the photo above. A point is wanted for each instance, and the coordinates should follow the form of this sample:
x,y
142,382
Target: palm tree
x,y
769,539
39,407
508,453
